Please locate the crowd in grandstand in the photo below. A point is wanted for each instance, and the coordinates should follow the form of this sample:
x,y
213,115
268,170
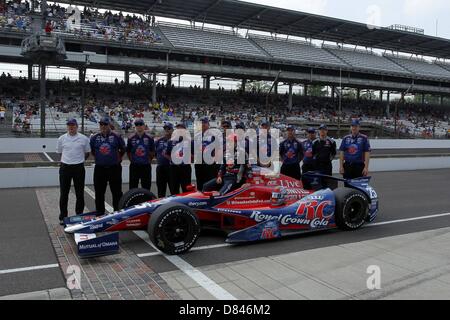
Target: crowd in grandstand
x,y
125,103
89,23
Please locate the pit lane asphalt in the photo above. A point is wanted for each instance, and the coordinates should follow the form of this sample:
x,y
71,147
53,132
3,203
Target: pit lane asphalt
x,y
403,195
24,239
24,243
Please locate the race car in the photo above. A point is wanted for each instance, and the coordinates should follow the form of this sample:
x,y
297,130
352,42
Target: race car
x,y
266,207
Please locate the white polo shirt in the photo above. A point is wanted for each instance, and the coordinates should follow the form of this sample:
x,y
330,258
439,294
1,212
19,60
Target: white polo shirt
x,y
73,148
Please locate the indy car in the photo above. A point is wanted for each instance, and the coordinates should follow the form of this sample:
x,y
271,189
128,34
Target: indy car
x,y
266,207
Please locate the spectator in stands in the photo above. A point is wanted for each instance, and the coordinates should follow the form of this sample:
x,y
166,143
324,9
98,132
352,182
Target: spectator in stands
x,y
108,149
141,151
355,153
2,115
48,28
74,148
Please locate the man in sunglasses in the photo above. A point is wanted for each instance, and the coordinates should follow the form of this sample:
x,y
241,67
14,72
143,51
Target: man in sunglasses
x,y
141,151
108,149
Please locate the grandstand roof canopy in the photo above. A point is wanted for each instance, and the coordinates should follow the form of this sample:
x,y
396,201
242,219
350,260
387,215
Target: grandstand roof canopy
x,y
244,15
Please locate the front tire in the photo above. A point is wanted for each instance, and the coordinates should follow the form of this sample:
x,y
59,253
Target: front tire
x,y
174,228
352,209
135,197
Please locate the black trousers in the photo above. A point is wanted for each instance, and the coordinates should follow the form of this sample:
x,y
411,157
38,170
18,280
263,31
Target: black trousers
x,y
180,176
307,167
162,180
353,170
67,173
103,176
327,169
292,170
204,173
142,174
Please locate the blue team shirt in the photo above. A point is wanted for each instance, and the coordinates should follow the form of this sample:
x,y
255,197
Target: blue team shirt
x,y
308,156
140,148
181,153
291,151
161,147
107,149
354,148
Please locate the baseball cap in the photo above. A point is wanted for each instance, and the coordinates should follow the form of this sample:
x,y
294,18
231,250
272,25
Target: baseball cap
x,y
226,123
265,123
290,128
72,122
168,125
311,130
105,120
240,125
356,123
204,120
139,122
323,127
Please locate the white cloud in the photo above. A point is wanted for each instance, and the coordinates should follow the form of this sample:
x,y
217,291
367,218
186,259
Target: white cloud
x,y
310,6
421,7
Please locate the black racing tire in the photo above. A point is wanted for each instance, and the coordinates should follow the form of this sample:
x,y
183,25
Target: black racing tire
x,y
135,197
174,228
352,209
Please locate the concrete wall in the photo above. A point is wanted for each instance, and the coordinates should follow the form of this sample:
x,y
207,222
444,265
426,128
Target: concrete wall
x,y
35,145
48,177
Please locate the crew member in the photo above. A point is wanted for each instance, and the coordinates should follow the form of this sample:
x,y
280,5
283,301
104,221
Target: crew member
x,y
324,152
180,174
355,154
264,148
74,149
141,151
309,164
204,172
163,159
291,153
108,149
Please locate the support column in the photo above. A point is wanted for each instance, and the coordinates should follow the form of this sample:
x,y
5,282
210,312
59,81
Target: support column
x,y
154,89
333,92
244,84
169,80
30,72
127,77
206,82
442,100
423,98
42,71
305,90
381,95
290,97
275,88
82,78
358,94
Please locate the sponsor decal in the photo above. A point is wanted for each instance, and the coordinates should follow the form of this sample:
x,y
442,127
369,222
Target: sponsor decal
x,y
229,211
197,204
248,202
286,220
268,233
96,226
314,209
100,245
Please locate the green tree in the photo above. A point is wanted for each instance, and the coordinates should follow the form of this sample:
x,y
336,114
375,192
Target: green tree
x,y
317,91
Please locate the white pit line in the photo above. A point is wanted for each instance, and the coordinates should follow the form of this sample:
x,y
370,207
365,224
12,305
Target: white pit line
x,y
35,268
206,283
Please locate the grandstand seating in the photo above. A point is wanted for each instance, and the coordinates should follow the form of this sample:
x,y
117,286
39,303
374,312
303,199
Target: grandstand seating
x,y
422,67
289,50
184,37
368,61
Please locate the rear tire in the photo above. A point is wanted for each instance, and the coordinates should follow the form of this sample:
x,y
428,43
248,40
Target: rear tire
x,y
174,228
135,197
352,209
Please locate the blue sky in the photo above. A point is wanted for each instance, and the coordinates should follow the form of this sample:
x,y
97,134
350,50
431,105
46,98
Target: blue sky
x,y
416,13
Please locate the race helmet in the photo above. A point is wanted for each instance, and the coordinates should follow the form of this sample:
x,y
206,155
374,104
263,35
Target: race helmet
x,y
278,196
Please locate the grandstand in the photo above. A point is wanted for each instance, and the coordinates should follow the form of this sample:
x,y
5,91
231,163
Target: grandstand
x,y
135,44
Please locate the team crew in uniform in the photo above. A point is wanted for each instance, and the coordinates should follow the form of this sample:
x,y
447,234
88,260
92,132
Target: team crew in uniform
x,y
324,152
291,153
163,161
74,148
204,172
309,164
141,151
108,149
180,174
355,154
265,150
